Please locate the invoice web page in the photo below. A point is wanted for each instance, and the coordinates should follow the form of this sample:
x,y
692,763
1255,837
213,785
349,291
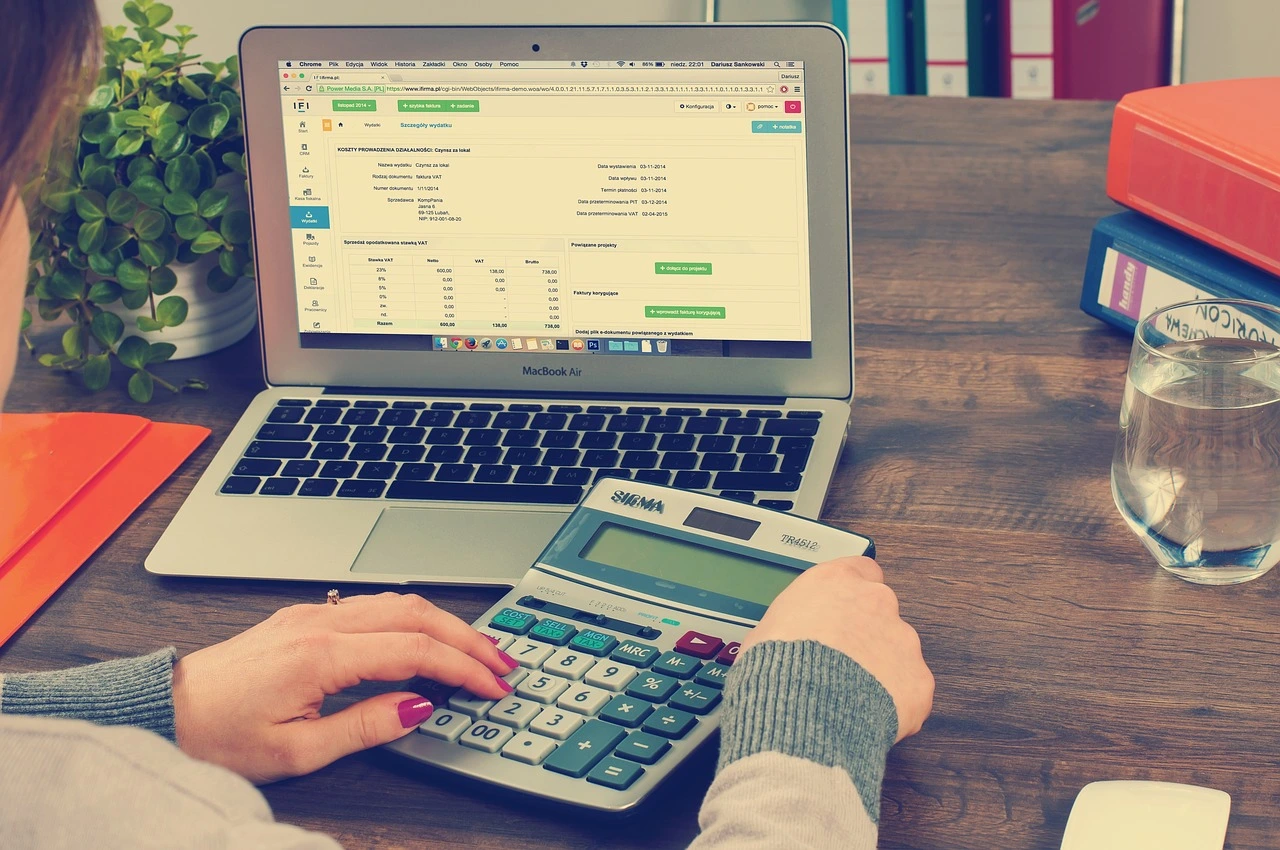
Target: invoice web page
x,y
461,203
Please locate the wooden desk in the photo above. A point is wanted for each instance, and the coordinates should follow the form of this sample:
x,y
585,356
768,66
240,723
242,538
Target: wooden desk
x,y
985,412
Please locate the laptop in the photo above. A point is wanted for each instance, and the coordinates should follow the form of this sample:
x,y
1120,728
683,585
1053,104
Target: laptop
x,y
497,263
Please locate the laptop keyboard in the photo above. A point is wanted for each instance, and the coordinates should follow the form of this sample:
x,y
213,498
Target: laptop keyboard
x,y
520,453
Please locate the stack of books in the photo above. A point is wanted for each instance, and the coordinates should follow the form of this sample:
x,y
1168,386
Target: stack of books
x,y
1198,166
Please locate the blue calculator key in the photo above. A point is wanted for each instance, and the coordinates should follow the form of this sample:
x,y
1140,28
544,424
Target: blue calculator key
x,y
698,699
643,747
511,620
593,642
615,773
626,711
580,752
652,687
553,632
713,675
670,722
675,664
639,654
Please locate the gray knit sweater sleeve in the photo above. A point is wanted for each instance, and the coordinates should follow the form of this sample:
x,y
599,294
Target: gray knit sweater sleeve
x,y
126,692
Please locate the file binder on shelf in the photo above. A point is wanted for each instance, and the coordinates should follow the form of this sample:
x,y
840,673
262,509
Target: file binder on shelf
x,y
954,48
1137,265
877,34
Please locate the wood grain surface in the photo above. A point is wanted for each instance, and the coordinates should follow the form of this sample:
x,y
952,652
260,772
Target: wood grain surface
x,y
984,417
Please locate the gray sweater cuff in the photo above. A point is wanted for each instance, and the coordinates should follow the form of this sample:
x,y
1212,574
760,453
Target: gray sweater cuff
x,y
805,699
126,692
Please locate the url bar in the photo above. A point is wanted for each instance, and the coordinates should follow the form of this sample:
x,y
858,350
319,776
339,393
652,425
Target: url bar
x,y
551,88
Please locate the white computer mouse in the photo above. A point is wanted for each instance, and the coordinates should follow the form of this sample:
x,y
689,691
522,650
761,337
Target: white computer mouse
x,y
1137,815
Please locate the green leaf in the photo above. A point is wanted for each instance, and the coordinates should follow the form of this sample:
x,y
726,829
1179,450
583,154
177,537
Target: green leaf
x,y
208,171
100,98
228,263
170,141
97,371
151,224
219,281
122,206
120,120
189,86
153,37
132,275
159,14
78,259
101,264
104,292
98,129
149,190
190,226
66,284
136,15
26,320
92,235
160,352
213,202
140,167
206,242
163,280
172,311
135,298
53,359
116,238
209,120
235,227
141,120
91,205
234,161
73,341
58,198
148,324
107,328
101,179
128,144
141,387
133,352
182,174
151,253
180,203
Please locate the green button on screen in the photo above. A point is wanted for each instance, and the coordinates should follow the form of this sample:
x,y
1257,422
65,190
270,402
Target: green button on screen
x,y
340,105
682,268
683,312
438,105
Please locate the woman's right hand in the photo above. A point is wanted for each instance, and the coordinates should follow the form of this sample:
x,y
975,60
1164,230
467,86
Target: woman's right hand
x,y
846,605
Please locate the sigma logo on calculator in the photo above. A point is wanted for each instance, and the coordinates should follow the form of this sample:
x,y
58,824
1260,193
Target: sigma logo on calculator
x,y
635,500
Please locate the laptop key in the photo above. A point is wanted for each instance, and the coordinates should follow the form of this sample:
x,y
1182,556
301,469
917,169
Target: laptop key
x,y
483,437
445,454
521,438
611,473
804,414
240,485
793,462
559,439
284,432
683,411
472,419
377,470
277,449
485,405
777,504
415,471
332,402
300,468
318,487
533,475
286,414
408,405
279,487
367,451
356,489
637,441
435,418
675,442
525,408
757,463
371,403
791,427
724,411
598,440
394,417
330,451
369,434
720,461
360,416
776,481
765,414
600,457
586,422
664,424
444,436
639,460
455,472
689,480
323,415
702,425
754,445
623,423
654,476
644,411
494,474
521,456
715,443
564,408
407,434
338,469
604,408
561,457
549,421
483,454
679,460
750,427
511,420
541,494
256,466
573,475
294,402
795,445
447,405
739,495
332,434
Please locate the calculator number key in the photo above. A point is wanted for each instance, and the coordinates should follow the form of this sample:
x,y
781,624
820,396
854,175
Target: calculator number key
x,y
611,676
486,736
513,712
530,654
584,699
541,687
465,702
445,725
527,748
653,687
499,639
555,723
570,663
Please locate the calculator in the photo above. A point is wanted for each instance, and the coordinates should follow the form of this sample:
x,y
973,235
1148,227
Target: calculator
x,y
625,629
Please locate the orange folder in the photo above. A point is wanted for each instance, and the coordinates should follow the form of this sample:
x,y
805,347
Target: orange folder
x,y
67,482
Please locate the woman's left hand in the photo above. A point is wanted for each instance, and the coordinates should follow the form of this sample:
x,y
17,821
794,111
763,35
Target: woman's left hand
x,y
252,703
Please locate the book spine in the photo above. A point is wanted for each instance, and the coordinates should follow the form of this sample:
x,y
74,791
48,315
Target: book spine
x,y
1195,186
877,44
1027,49
946,47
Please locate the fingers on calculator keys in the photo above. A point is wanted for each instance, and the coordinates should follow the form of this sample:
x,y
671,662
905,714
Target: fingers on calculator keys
x,y
501,640
541,687
445,725
516,676
584,699
465,702
556,723
530,654
611,675
527,748
570,663
486,736
514,712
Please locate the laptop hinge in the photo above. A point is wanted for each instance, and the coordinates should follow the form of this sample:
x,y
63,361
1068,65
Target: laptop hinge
x,y
663,398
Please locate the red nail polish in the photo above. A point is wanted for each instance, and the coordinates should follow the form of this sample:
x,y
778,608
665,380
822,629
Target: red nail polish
x,y
502,683
414,711
510,662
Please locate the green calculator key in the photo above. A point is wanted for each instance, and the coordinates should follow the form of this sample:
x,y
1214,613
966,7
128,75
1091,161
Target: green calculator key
x,y
593,643
511,620
553,632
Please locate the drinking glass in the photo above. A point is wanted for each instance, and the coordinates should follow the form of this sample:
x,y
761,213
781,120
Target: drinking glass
x,y
1196,470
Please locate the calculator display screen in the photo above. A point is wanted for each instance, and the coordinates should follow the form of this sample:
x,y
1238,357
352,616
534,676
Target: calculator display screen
x,y
682,562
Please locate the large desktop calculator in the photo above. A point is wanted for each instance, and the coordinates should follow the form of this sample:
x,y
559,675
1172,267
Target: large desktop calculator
x,y
625,630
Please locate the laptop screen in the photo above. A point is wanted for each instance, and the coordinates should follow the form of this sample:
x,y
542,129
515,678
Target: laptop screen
x,y
615,207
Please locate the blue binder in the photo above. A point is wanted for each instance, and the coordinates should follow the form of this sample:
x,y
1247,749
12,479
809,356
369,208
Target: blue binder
x,y
1137,265
896,33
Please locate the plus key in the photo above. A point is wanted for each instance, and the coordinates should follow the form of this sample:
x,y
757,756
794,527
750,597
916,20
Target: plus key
x,y
699,645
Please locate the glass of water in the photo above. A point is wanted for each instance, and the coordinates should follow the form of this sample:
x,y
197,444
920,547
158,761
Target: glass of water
x,y
1196,470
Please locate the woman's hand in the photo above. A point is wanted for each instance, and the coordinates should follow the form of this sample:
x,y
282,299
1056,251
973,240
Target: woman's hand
x,y
252,703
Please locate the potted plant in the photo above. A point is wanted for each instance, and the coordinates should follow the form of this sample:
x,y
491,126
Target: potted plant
x,y
141,232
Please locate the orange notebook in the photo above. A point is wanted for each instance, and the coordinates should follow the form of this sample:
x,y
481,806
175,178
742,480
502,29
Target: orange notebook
x,y
67,482
1204,158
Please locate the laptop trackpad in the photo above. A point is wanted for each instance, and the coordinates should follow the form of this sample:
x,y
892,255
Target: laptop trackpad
x,y
457,546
